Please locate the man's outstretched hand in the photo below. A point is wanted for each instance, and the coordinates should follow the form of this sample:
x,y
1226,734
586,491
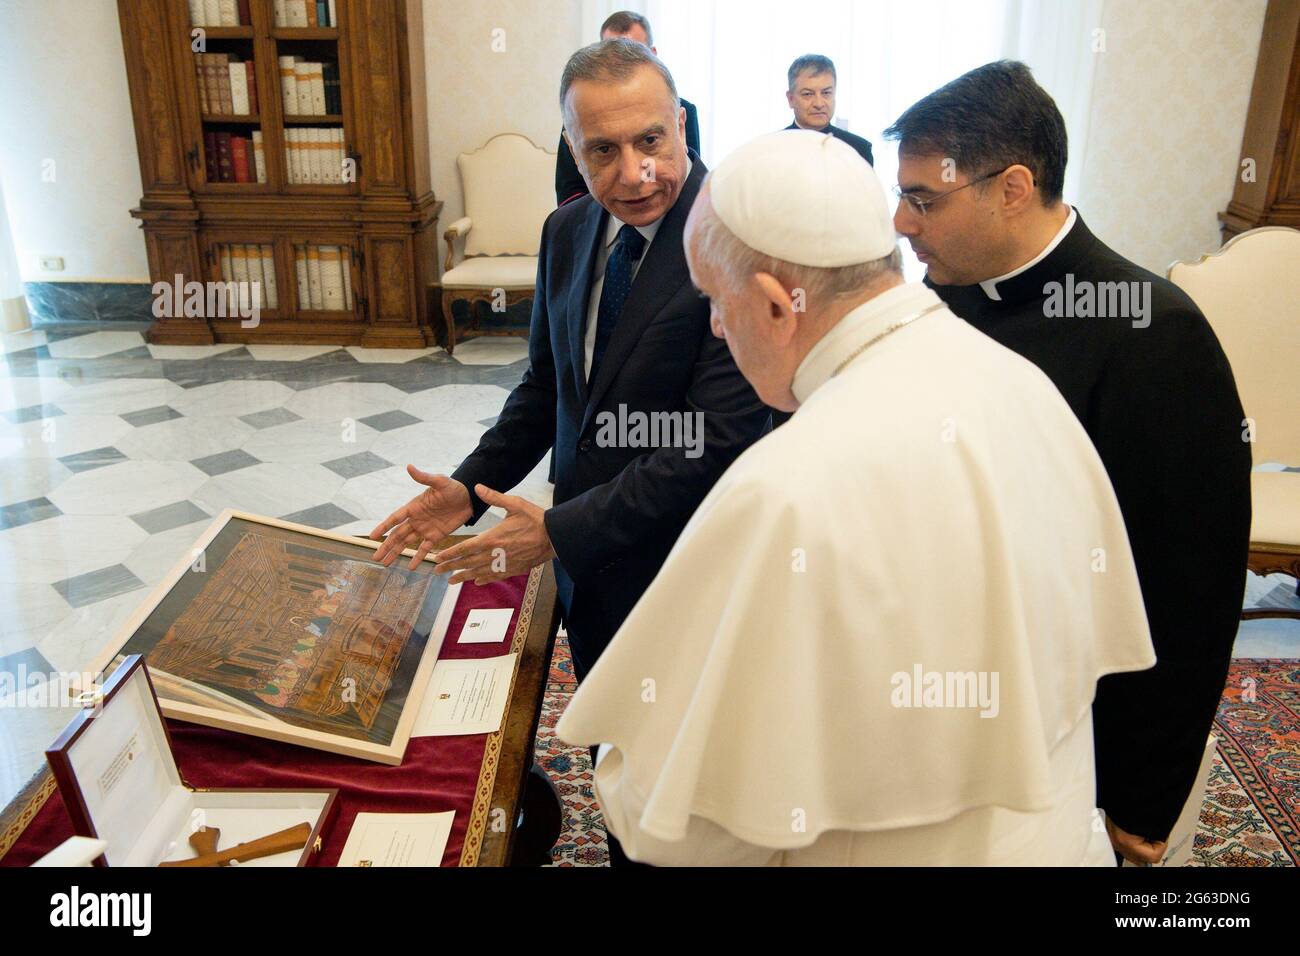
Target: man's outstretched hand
x,y
516,545
423,521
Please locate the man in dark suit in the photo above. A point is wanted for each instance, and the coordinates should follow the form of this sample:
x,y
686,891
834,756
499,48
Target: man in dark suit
x,y
1145,375
618,331
625,24
811,95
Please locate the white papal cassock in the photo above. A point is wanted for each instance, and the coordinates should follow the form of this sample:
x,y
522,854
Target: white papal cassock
x,y
934,511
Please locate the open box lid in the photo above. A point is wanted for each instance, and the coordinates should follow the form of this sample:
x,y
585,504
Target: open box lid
x,y
115,769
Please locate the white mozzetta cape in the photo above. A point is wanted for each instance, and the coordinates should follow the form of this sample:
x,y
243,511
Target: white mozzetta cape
x,y
936,507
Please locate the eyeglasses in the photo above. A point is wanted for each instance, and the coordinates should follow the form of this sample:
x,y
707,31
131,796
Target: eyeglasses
x,y
920,206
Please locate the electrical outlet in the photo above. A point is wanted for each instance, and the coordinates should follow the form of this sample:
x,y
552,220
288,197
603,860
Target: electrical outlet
x,y
52,263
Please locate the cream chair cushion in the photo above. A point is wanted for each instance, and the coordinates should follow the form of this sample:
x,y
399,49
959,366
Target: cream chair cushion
x,y
492,272
509,188
1250,292
1275,507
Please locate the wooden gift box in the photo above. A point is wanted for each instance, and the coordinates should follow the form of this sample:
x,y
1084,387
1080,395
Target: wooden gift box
x,y
119,780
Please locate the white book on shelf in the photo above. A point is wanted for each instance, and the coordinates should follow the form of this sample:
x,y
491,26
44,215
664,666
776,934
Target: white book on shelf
x,y
302,78
212,13
197,17
227,265
238,88
281,14
229,13
312,153
345,263
288,86
297,13
272,297
259,155
256,294
331,278
337,154
304,281
314,278
334,16
293,152
239,262
317,87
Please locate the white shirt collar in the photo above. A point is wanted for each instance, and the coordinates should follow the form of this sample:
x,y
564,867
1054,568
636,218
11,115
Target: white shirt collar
x,y
856,327
648,232
990,286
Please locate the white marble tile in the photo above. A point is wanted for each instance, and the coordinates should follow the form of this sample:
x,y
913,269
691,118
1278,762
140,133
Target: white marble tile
x,y
24,392
377,495
456,403
160,553
64,435
340,400
288,353
58,548
491,350
191,352
272,488
18,341
430,446
388,356
127,487
31,610
25,732
95,344
184,439
119,395
310,441
232,398
76,641
23,479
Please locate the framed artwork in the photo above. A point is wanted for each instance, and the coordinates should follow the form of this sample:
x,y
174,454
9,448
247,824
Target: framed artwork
x,y
282,631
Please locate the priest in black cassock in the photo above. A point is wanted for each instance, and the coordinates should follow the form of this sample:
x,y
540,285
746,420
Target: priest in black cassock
x,y
810,92
981,171
625,24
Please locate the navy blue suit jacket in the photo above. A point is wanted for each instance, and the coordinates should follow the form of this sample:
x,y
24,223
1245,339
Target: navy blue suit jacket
x,y
617,510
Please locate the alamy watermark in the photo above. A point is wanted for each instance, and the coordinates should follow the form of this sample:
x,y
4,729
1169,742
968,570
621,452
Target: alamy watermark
x,y
946,689
636,429
208,300
1098,300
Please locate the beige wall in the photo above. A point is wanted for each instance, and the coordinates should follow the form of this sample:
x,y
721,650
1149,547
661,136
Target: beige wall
x,y
1168,109
475,93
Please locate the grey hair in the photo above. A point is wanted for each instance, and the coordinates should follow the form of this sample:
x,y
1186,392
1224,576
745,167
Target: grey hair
x,y
813,63
822,286
615,60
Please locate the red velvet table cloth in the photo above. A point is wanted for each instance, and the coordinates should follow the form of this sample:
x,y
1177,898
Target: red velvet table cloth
x,y
437,774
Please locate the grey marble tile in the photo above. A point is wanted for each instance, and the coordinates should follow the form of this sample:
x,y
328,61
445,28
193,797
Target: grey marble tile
x,y
175,515
489,422
354,466
387,421
95,458
28,661
226,461
151,416
95,586
32,413
27,512
324,516
270,417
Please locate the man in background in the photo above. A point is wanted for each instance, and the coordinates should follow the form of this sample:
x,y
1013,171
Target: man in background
x,y
811,94
625,24
981,173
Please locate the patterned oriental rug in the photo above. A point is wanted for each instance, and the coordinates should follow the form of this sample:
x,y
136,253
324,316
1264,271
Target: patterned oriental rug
x,y
1251,814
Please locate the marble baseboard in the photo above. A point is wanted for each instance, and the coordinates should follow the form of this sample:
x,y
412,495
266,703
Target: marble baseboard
x,y
90,301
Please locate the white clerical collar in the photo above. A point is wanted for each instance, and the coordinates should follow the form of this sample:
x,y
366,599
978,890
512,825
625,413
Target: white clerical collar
x,y
647,232
990,286
855,328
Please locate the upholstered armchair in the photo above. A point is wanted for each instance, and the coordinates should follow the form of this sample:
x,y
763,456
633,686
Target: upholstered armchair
x,y
508,185
1250,292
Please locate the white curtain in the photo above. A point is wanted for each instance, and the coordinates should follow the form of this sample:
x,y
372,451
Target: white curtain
x,y
13,304
729,57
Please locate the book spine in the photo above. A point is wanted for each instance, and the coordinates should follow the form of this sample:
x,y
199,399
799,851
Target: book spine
x,y
238,88
239,262
225,158
331,279
304,283
250,76
313,278
272,297
334,14
197,18
317,79
288,86
311,13
345,264
212,75
302,82
227,103
256,294
211,165
281,14
297,13
245,15
212,13
259,156
315,137
229,10
239,158
200,75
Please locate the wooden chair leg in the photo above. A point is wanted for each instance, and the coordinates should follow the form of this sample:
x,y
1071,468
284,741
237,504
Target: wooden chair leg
x,y
449,319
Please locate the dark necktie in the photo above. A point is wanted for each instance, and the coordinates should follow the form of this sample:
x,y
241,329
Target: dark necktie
x,y
618,282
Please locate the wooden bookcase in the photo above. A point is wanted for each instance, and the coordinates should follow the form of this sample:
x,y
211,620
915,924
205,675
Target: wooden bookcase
x,y
382,219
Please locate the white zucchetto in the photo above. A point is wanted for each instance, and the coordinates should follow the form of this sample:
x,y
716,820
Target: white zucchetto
x,y
805,198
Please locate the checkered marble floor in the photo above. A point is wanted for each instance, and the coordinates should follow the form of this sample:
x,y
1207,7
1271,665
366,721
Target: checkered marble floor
x,y
116,454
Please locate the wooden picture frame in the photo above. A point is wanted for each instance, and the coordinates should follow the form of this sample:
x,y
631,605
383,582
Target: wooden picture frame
x,y
231,641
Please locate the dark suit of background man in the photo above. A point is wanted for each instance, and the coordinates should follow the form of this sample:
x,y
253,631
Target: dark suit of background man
x,y
616,322
811,94
569,184
1150,384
